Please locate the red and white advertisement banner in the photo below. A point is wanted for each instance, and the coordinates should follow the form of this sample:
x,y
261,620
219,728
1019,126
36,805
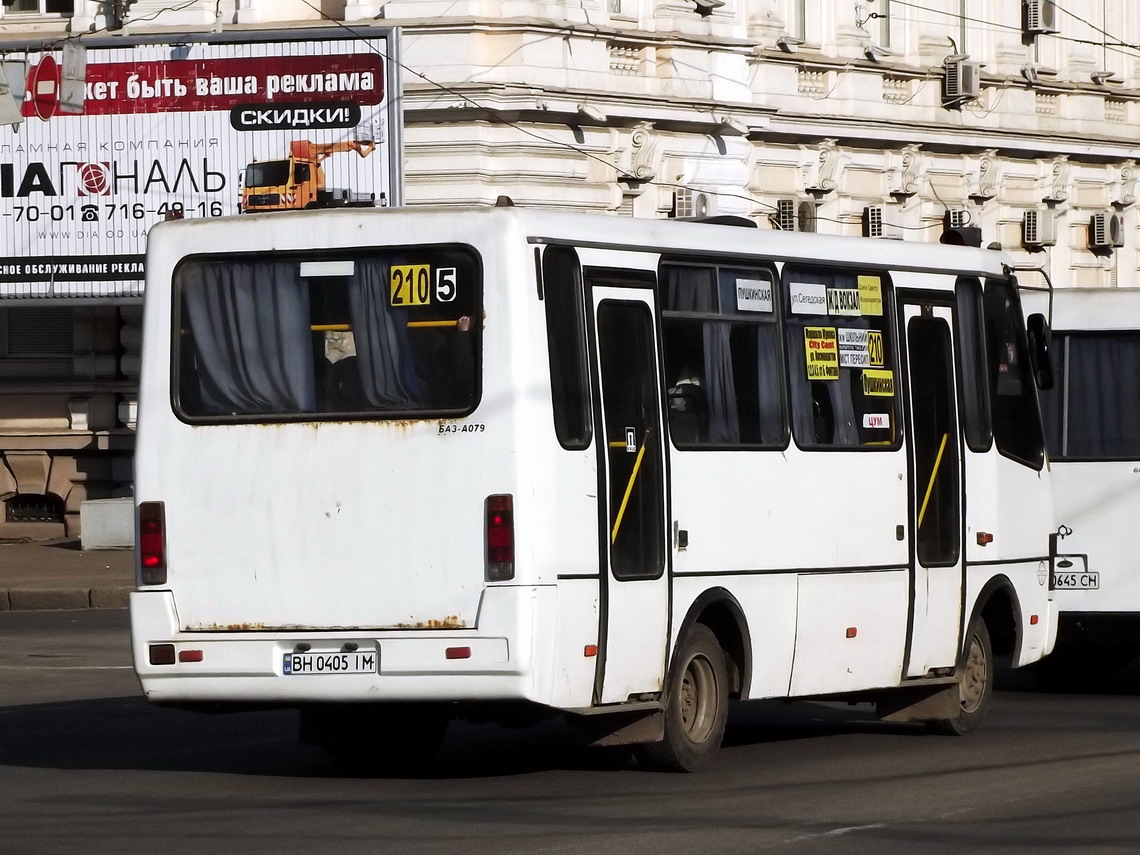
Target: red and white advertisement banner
x,y
170,130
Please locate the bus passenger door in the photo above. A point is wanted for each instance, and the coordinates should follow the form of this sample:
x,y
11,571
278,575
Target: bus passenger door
x,y
631,470
934,449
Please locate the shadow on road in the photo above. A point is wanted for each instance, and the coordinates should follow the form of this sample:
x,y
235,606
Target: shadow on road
x,y
1084,675
128,733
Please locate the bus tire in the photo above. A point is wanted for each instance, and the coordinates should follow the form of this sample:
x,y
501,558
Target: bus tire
x,y
696,706
975,684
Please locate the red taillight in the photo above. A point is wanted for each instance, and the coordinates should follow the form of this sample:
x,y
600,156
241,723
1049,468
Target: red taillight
x,y
152,543
500,529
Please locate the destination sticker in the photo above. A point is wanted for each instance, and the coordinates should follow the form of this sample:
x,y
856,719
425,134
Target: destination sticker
x,y
409,285
854,350
878,383
875,347
753,295
822,351
871,295
808,298
843,301
876,420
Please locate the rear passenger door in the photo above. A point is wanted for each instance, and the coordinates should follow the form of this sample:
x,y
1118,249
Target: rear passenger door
x,y
632,495
935,477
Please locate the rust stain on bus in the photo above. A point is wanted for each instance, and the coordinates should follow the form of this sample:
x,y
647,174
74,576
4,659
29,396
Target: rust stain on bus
x,y
230,627
449,622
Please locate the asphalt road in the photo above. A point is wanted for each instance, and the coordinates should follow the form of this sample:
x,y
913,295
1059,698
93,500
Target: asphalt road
x,y
86,766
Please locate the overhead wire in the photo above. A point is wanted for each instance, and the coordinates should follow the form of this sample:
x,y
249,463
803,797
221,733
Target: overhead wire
x,y
621,174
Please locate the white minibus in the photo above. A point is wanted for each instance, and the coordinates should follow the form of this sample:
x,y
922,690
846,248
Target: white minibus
x,y
1092,428
396,466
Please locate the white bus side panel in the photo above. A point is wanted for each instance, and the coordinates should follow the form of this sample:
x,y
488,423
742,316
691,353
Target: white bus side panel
x,y
796,514
851,631
791,509
770,603
1100,502
1013,503
572,665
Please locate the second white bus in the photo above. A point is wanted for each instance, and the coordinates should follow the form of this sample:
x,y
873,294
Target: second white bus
x,y
396,466
1092,419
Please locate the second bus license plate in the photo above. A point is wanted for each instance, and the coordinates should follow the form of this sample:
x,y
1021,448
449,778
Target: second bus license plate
x,y
1086,580
340,662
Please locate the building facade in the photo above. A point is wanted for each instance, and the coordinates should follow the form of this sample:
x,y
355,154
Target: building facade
x,y
997,122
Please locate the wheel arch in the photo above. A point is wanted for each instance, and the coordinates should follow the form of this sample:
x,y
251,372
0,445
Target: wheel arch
x,y
998,605
719,610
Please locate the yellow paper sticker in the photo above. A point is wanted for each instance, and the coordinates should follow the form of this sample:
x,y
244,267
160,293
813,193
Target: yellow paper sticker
x,y
875,347
878,383
871,295
410,284
821,346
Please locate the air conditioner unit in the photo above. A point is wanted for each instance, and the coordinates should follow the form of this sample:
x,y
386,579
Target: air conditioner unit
x,y
1040,17
785,217
956,228
794,215
1106,230
875,226
1039,228
962,81
689,203
873,221
956,218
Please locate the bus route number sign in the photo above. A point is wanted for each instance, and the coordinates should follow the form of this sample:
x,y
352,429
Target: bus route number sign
x,y
410,284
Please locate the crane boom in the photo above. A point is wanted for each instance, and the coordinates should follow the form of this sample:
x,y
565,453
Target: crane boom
x,y
318,152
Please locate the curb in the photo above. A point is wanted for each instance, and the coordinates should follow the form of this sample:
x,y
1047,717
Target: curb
x,y
55,599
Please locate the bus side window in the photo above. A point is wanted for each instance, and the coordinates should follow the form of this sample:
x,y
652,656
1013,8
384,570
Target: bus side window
x,y
972,356
841,366
1013,393
566,342
723,367
1093,410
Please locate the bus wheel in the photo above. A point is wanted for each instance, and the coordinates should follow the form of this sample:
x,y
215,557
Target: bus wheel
x,y
975,685
696,705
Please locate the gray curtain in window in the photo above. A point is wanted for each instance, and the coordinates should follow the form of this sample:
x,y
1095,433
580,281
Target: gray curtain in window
x,y
1103,424
720,385
771,379
387,371
250,324
694,289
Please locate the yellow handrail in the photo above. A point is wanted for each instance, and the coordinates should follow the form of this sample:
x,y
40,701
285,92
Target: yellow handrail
x,y
933,475
628,489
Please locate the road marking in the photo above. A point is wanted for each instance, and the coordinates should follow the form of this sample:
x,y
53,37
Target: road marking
x,y
66,667
835,832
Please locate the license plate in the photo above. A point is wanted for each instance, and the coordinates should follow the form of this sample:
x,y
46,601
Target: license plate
x,y
340,662
1086,580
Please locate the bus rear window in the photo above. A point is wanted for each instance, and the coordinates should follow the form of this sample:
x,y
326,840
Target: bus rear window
x,y
365,334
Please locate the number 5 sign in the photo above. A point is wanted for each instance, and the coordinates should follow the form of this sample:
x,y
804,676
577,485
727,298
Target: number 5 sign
x,y
445,287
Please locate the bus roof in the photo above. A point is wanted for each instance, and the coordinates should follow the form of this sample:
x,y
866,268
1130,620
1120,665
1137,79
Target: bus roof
x,y
352,227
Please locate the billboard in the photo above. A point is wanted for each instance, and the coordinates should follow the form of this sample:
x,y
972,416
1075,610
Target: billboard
x,y
173,126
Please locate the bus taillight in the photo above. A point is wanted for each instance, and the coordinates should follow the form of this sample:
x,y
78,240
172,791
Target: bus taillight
x,y
500,531
152,543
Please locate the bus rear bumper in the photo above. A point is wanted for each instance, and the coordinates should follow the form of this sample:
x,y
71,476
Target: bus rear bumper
x,y
490,662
